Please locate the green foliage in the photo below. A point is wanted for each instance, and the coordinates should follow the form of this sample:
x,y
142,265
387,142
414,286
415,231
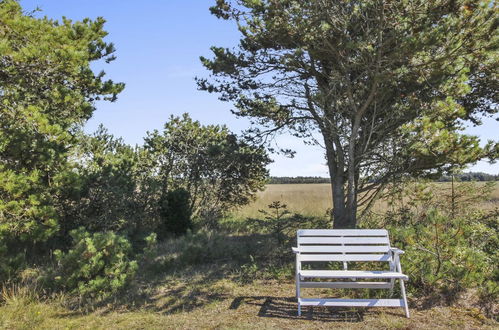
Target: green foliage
x,y
219,170
151,243
47,90
175,213
445,255
97,265
448,249
278,221
102,194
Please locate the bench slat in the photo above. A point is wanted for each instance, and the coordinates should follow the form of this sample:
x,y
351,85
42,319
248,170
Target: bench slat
x,y
342,232
342,240
346,285
352,274
343,257
352,302
344,249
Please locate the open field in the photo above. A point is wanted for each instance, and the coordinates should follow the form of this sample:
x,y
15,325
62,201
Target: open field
x,y
315,199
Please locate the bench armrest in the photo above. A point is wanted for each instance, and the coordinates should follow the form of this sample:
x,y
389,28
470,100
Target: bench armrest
x,y
295,250
396,251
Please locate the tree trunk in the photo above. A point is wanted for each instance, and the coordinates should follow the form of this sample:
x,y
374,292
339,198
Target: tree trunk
x,y
344,215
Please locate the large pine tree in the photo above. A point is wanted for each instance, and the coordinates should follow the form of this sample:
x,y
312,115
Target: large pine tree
x,y
388,84
47,91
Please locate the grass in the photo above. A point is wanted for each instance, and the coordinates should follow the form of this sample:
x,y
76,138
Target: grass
x,y
306,199
315,199
205,298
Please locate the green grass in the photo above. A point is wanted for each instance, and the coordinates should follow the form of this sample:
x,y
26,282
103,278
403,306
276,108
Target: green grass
x,y
205,298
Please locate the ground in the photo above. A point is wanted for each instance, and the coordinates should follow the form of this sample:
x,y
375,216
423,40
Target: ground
x,y
201,299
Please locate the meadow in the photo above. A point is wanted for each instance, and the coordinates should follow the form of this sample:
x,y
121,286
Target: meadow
x,y
315,199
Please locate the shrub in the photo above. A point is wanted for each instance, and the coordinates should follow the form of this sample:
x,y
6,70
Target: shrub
x,y
282,224
449,250
444,255
175,213
10,261
97,265
150,246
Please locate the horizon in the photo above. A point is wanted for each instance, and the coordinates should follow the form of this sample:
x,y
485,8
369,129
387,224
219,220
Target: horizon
x,y
156,63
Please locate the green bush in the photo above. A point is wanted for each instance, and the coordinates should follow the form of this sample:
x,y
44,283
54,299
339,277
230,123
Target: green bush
x,y
444,255
175,213
449,249
282,224
97,265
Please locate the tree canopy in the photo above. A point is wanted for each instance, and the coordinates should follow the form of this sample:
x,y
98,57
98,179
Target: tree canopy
x,y
217,168
388,85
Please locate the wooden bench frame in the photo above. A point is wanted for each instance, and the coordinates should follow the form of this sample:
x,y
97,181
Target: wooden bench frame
x,y
348,245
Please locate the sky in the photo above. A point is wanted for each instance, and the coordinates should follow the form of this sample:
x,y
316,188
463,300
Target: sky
x,y
158,45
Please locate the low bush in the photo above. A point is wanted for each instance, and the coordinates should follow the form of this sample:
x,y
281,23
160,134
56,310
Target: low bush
x,y
445,255
448,250
282,224
97,265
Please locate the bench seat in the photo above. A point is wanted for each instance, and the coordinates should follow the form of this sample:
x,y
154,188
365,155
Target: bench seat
x,y
353,274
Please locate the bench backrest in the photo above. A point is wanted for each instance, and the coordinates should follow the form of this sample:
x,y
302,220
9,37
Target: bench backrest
x,y
343,245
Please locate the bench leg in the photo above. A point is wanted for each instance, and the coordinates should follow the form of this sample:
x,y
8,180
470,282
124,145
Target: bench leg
x,y
298,293
402,289
392,284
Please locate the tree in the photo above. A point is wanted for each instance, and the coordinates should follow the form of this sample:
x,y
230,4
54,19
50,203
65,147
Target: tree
x,y
387,84
217,169
47,91
103,195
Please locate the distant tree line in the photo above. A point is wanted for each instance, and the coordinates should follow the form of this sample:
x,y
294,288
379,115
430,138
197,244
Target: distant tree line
x,y
470,176
298,179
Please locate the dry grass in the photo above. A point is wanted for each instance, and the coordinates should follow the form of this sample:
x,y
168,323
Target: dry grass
x,y
306,199
198,300
315,199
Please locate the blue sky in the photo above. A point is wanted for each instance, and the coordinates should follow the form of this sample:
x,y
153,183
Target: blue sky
x,y
158,46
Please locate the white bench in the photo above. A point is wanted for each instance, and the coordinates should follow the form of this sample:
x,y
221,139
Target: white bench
x,y
348,245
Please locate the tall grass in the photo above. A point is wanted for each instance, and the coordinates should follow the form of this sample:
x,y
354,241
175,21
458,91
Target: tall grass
x,y
315,199
306,199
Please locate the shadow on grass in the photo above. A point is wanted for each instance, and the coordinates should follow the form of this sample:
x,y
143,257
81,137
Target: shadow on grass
x,y
287,308
187,284
189,295
174,284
